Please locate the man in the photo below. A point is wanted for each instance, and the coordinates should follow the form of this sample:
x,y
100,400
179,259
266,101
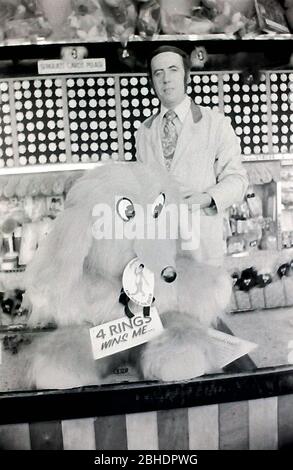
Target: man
x,y
196,145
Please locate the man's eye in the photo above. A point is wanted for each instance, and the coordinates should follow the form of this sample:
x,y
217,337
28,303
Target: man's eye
x,y
158,205
125,209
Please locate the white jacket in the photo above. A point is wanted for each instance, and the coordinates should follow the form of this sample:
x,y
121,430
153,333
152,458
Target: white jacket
x,y
207,159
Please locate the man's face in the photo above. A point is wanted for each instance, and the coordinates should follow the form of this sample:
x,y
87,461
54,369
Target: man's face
x,y
168,78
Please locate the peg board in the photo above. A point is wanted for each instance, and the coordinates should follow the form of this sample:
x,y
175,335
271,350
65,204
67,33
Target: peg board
x,y
86,119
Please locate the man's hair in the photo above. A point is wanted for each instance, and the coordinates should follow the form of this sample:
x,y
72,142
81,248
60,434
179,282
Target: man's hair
x,y
175,50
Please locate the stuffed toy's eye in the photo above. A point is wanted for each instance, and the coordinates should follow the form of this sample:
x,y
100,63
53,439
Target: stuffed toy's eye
x,y
158,205
125,209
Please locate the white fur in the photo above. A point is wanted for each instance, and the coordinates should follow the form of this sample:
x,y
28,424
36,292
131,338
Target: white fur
x,y
74,281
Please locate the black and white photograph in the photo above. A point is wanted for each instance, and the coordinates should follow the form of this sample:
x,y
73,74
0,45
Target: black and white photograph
x,y
146,229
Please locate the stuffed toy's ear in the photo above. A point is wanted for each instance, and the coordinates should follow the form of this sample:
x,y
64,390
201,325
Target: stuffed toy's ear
x,y
53,277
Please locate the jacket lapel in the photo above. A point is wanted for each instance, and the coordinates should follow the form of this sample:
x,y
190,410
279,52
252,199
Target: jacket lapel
x,y
156,139
186,134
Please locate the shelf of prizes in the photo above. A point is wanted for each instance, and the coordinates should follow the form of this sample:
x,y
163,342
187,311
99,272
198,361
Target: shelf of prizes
x,y
262,280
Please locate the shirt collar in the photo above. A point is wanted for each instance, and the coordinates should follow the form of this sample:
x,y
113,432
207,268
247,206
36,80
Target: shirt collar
x,y
181,109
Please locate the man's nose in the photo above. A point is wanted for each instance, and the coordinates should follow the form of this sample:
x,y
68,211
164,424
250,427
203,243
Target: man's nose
x,y
166,76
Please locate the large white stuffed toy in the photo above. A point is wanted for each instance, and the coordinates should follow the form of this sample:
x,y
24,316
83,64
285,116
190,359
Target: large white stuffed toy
x,y
76,277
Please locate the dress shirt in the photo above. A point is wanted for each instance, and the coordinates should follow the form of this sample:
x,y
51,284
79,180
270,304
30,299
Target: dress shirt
x,y
181,111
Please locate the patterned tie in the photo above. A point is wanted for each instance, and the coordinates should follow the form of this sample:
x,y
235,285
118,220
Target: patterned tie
x,y
169,137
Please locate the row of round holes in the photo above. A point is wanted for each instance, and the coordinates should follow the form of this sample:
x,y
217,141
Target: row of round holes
x,y
247,114
130,108
22,92
282,142
284,77
73,102
5,128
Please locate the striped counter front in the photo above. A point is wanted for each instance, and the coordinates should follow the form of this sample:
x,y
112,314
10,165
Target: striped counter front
x,y
241,411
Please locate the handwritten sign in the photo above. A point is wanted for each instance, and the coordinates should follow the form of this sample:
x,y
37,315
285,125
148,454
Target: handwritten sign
x,y
124,333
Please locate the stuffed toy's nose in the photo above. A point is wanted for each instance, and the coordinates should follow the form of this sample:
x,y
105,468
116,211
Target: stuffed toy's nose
x,y
169,274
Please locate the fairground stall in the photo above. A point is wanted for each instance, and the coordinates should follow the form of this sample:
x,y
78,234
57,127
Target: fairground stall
x,y
73,91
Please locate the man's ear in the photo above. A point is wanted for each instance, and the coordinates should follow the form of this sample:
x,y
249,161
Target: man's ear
x,y
151,84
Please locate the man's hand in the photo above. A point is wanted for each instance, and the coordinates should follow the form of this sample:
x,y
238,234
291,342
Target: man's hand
x,y
203,200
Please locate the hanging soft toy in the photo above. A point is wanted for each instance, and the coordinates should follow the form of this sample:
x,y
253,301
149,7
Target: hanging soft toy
x,y
283,270
121,17
148,21
264,278
254,202
226,17
248,279
235,278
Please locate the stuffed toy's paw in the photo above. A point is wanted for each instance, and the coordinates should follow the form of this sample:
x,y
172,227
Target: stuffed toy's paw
x,y
64,358
186,363
181,352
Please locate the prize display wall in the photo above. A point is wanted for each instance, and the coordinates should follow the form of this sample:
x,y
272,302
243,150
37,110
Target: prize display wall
x,y
69,119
